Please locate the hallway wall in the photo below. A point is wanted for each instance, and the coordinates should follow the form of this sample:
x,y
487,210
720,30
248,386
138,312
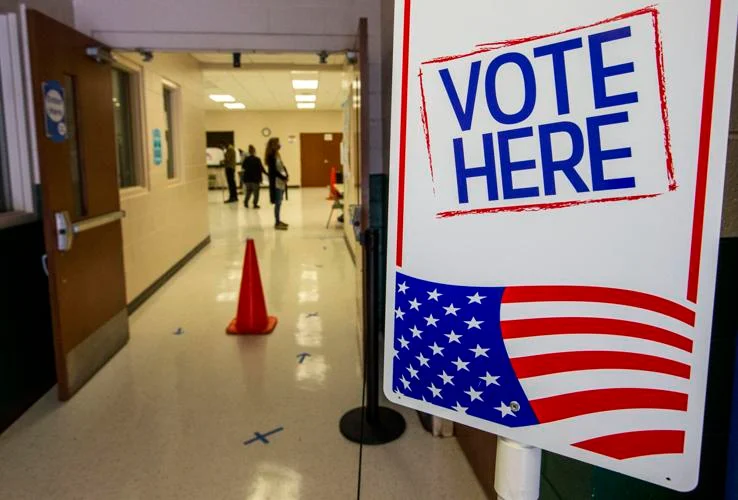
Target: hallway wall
x,y
168,218
247,127
307,25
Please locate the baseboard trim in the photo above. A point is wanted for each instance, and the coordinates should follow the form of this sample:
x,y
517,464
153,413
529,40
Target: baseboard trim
x,y
156,285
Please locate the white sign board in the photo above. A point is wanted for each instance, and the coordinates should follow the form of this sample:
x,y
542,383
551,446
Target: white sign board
x,y
556,187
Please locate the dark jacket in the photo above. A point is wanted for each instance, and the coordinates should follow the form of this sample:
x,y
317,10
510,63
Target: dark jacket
x,y
273,173
253,169
230,158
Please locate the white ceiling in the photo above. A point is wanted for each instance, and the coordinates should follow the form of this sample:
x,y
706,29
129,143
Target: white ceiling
x,y
264,82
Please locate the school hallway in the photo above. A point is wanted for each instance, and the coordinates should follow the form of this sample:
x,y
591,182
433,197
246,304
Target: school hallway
x,y
168,416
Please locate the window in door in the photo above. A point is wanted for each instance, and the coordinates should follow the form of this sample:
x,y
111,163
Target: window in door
x,y
76,161
171,110
130,173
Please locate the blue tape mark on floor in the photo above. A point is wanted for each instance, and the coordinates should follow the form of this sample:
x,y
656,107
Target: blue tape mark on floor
x,y
263,437
179,331
302,356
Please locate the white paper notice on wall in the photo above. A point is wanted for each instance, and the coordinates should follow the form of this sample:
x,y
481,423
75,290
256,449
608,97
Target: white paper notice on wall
x,y
555,200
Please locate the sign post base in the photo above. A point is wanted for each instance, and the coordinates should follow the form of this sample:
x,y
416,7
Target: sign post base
x,y
388,425
517,471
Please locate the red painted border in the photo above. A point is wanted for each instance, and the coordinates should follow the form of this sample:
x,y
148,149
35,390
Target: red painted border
x,y
703,160
426,127
536,207
403,135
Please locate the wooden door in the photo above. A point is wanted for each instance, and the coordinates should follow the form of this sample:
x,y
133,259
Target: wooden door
x,y
318,154
79,189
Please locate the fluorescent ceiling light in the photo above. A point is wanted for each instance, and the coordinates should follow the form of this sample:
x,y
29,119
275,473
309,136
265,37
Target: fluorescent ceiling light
x,y
305,105
303,74
235,105
222,98
305,98
305,84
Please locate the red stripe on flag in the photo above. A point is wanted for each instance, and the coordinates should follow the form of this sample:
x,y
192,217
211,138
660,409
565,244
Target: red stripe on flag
x,y
518,294
575,404
636,444
523,328
561,362
703,158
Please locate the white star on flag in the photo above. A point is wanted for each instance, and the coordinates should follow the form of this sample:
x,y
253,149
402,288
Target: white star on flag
x,y
476,298
430,320
437,351
399,314
460,365
451,310
405,382
404,343
416,333
436,391
459,408
473,323
505,410
395,353
402,287
414,304
452,337
489,379
434,295
423,360
447,379
479,351
413,372
474,395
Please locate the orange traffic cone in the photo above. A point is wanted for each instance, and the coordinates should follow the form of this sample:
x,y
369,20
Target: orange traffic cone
x,y
251,317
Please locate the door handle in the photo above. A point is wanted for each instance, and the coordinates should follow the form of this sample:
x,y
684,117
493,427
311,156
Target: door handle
x,y
65,229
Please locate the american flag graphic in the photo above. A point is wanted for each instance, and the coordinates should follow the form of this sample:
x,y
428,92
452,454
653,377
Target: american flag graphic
x,y
541,355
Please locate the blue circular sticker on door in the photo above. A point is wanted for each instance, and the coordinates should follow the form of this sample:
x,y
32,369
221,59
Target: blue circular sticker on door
x,y
54,111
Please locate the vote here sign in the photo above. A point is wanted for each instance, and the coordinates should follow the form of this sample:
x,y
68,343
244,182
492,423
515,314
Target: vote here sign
x,y
556,186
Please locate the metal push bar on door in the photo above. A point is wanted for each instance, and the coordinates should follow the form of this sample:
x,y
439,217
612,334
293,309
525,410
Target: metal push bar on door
x,y
65,229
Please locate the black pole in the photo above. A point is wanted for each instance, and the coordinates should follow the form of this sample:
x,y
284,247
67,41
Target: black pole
x,y
371,267
372,424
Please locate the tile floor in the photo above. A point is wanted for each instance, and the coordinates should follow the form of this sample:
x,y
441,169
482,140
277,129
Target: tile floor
x,y
168,416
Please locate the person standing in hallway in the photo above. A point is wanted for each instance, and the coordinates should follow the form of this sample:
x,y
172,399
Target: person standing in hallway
x,y
278,177
230,172
252,176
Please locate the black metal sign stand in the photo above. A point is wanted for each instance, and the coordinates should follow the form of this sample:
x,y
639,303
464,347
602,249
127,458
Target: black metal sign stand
x,y
372,424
